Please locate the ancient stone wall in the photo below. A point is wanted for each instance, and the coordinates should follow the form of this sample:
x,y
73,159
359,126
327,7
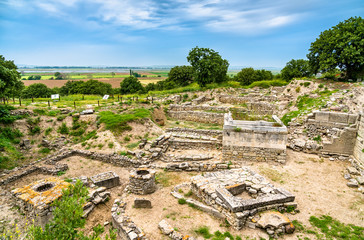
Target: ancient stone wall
x,y
328,123
255,99
359,143
256,108
203,117
254,140
192,144
211,133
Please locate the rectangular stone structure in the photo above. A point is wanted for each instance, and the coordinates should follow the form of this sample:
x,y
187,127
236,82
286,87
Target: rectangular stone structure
x,y
106,179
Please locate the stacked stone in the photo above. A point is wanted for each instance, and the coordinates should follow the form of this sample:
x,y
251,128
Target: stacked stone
x,y
255,98
95,197
254,154
203,117
182,158
219,190
106,179
196,132
187,144
142,181
125,226
197,167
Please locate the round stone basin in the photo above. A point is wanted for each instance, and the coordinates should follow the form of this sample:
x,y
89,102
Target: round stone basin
x,y
44,187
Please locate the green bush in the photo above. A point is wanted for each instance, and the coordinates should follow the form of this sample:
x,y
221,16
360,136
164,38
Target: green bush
x,y
34,130
5,116
63,129
306,84
298,89
267,84
181,201
117,123
44,150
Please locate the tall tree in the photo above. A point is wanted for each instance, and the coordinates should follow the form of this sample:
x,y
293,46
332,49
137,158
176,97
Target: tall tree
x,y
9,76
208,65
342,46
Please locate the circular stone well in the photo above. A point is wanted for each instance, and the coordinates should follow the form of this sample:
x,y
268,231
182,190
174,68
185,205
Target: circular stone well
x,y
44,187
142,181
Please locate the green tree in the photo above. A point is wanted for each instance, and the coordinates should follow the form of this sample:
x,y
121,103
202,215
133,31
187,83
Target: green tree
x,y
36,90
342,46
181,75
67,218
264,74
58,76
296,68
131,85
9,76
246,76
208,65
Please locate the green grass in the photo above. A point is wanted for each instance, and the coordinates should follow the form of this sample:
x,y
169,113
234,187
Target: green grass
x,y
9,155
204,231
334,229
117,123
268,83
306,103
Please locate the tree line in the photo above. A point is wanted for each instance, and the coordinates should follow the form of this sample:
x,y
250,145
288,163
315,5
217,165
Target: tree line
x,y
337,53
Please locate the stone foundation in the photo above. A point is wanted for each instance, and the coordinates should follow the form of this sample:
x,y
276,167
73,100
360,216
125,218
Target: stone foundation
x,y
35,199
142,181
202,117
107,179
239,194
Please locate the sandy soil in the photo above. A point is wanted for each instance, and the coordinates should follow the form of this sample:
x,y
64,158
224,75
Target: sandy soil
x,y
318,184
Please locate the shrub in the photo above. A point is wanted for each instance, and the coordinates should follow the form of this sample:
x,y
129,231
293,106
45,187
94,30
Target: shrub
x,y
306,84
126,138
298,89
320,85
111,145
44,150
237,129
63,129
34,130
181,201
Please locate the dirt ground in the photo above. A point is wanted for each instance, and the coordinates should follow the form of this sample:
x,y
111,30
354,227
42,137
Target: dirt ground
x,y
318,185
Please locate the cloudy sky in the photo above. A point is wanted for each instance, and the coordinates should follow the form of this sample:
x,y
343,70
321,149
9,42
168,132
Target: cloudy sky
x,y
257,33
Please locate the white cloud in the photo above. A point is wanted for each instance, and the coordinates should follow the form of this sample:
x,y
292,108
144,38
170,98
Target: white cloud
x,y
239,16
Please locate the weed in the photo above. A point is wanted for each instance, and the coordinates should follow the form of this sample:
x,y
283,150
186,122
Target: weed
x,y
237,129
306,84
188,194
48,131
298,89
111,144
126,138
63,129
44,150
60,173
181,201
317,138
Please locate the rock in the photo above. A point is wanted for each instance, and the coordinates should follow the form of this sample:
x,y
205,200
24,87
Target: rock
x,y
332,159
300,143
142,203
25,144
353,171
347,176
352,183
289,228
106,223
165,227
360,180
272,219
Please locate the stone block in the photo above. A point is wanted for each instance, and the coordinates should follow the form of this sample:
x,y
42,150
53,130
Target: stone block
x,y
142,203
107,179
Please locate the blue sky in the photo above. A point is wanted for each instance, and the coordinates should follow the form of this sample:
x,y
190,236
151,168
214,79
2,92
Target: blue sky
x,y
257,33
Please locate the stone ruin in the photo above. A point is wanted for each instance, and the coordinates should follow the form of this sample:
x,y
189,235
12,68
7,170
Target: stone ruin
x,y
36,198
254,140
240,194
106,179
142,181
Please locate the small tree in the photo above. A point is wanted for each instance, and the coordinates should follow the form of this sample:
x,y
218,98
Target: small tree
x,y
296,68
58,76
181,75
36,90
67,218
131,85
208,65
246,76
342,46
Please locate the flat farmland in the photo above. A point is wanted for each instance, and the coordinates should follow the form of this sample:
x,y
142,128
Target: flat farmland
x,y
115,82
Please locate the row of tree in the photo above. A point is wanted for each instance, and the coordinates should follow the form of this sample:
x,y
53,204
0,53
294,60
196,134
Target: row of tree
x,y
339,48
